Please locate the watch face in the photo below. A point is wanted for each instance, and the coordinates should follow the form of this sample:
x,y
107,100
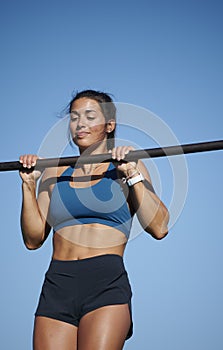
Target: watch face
x,y
134,180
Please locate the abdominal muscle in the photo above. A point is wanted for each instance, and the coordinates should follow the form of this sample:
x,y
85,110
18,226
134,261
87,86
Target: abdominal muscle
x,y
87,240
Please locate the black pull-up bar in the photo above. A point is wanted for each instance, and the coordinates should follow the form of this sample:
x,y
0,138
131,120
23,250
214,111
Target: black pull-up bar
x,y
132,155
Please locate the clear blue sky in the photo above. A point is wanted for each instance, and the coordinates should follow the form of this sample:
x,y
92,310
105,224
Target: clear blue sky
x,y
162,56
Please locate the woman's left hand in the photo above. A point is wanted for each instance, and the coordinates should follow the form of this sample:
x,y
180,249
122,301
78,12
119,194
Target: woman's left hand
x,y
128,169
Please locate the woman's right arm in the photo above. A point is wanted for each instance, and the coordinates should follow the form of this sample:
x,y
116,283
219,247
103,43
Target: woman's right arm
x,y
34,226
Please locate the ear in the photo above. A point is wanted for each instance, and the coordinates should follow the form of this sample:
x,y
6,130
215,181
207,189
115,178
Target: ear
x,y
110,125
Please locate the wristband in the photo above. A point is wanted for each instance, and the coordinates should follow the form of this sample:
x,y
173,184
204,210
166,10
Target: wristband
x,y
135,180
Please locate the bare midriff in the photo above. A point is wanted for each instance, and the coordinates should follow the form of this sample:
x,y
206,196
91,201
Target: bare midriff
x,y
87,240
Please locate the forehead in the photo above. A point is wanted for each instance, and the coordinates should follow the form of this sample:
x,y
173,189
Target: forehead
x,y
85,103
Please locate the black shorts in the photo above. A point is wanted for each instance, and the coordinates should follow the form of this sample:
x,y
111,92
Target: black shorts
x,y
72,288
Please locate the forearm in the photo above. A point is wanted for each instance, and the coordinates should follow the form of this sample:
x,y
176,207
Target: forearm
x,y
32,224
151,212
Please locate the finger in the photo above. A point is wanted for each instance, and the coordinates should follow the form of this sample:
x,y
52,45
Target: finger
x,y
33,160
28,160
120,152
23,160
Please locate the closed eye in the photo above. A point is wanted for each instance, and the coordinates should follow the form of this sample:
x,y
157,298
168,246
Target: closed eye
x,y
90,118
73,118
90,114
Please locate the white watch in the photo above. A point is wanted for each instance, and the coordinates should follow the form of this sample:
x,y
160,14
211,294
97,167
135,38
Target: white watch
x,y
135,180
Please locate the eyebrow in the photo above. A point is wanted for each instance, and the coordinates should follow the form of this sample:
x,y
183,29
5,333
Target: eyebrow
x,y
86,111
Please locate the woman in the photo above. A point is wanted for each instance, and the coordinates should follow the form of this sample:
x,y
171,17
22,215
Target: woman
x,y
85,301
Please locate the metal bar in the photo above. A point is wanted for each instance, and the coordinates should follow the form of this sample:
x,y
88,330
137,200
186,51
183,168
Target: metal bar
x,y
133,155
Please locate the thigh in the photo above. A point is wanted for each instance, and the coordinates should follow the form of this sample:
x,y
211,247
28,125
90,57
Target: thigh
x,y
105,328
52,334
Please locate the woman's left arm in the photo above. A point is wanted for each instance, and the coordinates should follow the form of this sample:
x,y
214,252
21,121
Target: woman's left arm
x,y
150,210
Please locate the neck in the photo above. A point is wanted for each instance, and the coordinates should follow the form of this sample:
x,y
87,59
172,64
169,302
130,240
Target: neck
x,y
88,169
93,149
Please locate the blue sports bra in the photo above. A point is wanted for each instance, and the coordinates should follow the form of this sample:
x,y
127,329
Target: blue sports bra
x,y
103,203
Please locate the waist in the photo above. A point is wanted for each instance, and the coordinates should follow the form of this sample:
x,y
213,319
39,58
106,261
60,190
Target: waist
x,y
91,259
85,241
95,269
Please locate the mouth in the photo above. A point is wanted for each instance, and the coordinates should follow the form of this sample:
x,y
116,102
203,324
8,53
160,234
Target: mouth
x,y
81,134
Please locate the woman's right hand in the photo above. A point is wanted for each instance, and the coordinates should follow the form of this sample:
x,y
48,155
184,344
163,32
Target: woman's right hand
x,y
28,174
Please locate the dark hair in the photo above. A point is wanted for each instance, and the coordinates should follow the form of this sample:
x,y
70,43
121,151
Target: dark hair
x,y
107,107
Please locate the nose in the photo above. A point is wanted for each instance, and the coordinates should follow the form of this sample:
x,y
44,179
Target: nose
x,y
80,123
